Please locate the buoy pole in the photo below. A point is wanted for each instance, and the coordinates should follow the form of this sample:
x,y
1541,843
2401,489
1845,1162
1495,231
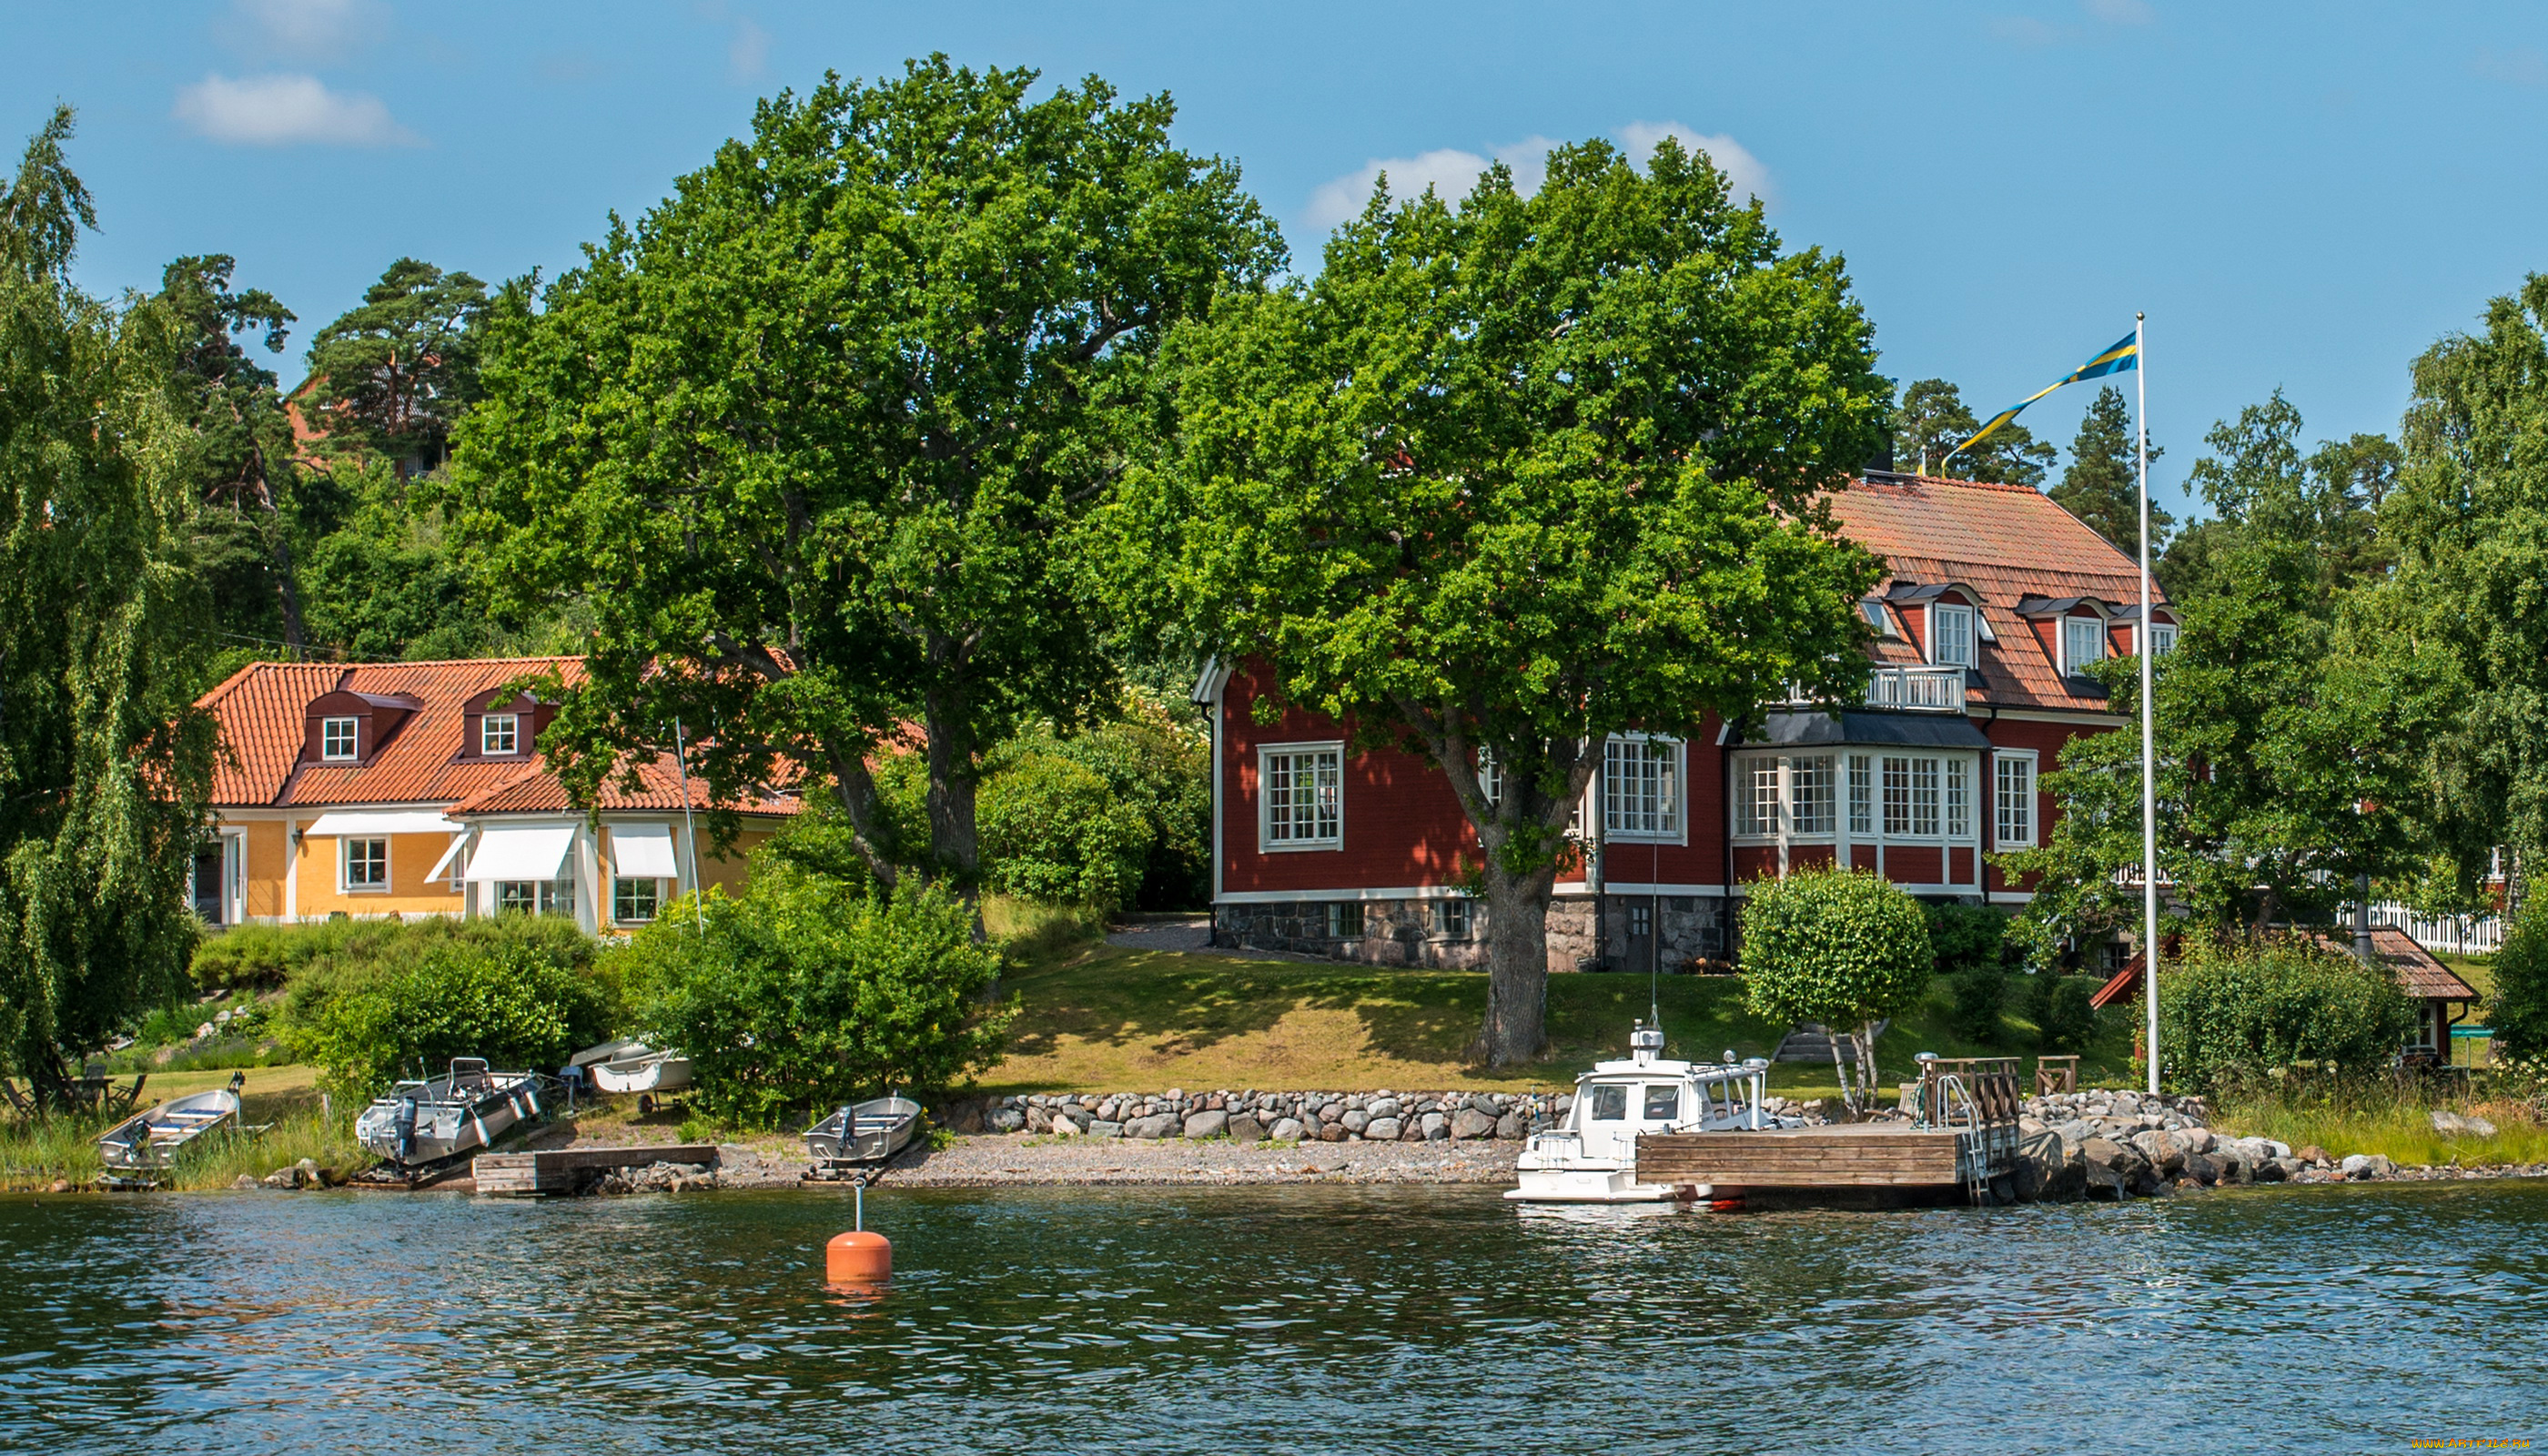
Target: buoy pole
x,y
858,1256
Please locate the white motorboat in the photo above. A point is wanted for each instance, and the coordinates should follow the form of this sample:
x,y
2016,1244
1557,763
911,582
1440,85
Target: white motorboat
x,y
1593,1156
643,1071
462,1110
151,1139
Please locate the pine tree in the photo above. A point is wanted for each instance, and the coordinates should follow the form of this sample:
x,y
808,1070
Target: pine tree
x,y
2102,487
1932,421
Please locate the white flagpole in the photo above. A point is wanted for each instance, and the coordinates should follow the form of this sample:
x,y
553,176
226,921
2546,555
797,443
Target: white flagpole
x,y
2149,731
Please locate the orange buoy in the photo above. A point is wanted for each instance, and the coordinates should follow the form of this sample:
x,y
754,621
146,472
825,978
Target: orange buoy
x,y
1714,1206
858,1257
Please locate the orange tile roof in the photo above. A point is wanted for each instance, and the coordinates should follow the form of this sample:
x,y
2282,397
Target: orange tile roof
x,y
261,710
2006,542
536,790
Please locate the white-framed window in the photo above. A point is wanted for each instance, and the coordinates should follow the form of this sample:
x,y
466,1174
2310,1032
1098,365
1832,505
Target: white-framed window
x,y
1861,797
2083,641
1304,786
1959,798
2014,798
2162,636
1641,788
500,733
1910,797
1877,617
1810,801
336,740
1786,793
1345,919
1490,777
1451,918
635,900
535,896
367,863
1756,796
1951,634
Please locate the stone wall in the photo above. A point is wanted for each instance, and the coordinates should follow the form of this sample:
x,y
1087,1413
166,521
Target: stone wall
x,y
1249,1117
1694,929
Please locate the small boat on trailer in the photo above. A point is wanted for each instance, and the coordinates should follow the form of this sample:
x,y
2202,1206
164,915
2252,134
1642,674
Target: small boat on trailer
x,y
1592,1157
642,1070
150,1139
864,1133
463,1111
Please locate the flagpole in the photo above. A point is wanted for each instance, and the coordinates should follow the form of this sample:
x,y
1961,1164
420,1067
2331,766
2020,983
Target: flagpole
x,y
2149,733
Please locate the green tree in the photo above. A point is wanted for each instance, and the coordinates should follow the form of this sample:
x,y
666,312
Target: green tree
x,y
1511,479
244,446
2518,1012
386,584
804,994
815,438
1932,420
1837,947
104,763
2101,486
2260,486
2468,524
392,375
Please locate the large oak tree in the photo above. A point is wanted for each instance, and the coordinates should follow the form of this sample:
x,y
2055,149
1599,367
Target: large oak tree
x,y
1510,478
814,438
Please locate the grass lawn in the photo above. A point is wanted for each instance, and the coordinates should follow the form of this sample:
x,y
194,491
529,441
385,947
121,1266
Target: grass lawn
x,y
1101,1018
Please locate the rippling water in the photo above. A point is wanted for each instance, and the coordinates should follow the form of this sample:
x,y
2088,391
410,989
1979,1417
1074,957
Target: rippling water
x,y
1278,1319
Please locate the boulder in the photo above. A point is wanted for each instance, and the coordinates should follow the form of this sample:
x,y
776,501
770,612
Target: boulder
x,y
1286,1130
2314,1156
1005,1120
1207,1124
2367,1165
2198,1138
245,1181
2115,1167
1039,1119
1061,1127
1383,1105
1512,1127
2453,1124
2201,1167
1103,1128
1333,1133
283,1178
1157,1125
1470,1123
1436,1127
1244,1128
2166,1153
2279,1169
1383,1129
1354,1120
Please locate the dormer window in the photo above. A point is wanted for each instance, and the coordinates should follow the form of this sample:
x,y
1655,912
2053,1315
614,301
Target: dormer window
x,y
2163,638
1877,617
500,733
1951,634
2083,641
336,740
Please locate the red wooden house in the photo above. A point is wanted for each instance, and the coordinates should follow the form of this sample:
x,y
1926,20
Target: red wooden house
x,y
1994,597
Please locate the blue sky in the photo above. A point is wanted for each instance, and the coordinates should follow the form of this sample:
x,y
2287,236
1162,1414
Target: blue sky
x,y
2301,196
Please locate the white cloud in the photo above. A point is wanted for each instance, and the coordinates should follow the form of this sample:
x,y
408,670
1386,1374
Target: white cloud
x,y
749,53
286,110
1745,177
1453,173
321,29
2118,12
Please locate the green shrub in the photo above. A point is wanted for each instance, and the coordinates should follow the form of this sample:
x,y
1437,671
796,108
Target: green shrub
x,y
521,992
803,994
1157,761
2064,1021
1975,998
1055,830
2231,1013
1968,937
1837,947
263,957
2518,1011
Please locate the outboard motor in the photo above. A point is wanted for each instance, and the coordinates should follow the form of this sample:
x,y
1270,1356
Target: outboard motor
x,y
404,1127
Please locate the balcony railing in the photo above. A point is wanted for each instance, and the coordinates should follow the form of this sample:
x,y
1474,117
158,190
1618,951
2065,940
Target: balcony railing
x,y
1926,689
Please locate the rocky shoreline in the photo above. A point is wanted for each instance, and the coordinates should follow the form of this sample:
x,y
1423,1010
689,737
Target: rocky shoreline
x,y
2128,1144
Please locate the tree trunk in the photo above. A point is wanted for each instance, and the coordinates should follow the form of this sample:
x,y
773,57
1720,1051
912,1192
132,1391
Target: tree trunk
x,y
1840,1070
1516,1026
856,789
952,842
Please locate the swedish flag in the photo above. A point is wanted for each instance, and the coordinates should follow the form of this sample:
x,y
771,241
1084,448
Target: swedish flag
x,y
2126,354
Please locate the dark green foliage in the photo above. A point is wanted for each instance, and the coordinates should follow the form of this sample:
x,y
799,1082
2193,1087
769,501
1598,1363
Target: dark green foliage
x,y
2101,486
1053,830
804,994
1968,936
383,586
1933,420
1981,994
2518,1011
263,957
2059,1005
397,371
105,764
1156,766
2236,1011
511,1001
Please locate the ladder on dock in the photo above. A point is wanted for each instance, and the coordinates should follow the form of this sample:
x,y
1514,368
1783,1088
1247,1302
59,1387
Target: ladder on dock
x,y
1980,1105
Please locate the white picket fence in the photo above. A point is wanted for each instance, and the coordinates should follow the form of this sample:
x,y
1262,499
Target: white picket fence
x,y
2452,935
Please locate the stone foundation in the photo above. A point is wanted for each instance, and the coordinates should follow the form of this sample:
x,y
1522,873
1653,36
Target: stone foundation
x,y
1695,933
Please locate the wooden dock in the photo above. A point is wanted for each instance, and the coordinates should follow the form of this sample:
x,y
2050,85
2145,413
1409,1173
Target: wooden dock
x,y
563,1169
1965,1141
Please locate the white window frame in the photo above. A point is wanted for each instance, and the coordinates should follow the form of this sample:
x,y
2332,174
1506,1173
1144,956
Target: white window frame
x,y
1765,808
1913,796
1861,797
1660,814
327,740
1960,634
2018,832
2163,637
1959,771
1333,834
617,881
1490,776
512,735
547,896
346,866
2074,627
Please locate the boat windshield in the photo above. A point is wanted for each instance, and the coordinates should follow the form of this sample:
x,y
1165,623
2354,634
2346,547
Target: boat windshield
x,y
1663,1101
1609,1103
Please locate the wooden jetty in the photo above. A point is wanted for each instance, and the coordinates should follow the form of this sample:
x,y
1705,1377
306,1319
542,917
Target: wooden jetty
x,y
1962,1138
564,1169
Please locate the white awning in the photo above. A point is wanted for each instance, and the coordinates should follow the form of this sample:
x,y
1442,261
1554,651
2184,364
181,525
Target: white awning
x,y
372,823
457,841
520,852
640,851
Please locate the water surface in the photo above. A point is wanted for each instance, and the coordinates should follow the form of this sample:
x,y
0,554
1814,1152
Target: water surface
x,y
1308,1319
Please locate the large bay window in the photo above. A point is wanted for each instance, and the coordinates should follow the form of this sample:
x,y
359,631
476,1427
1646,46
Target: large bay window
x,y
2015,799
1304,796
1785,795
1641,788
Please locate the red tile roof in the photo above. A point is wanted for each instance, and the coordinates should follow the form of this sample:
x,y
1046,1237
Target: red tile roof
x,y
536,790
261,710
2007,543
